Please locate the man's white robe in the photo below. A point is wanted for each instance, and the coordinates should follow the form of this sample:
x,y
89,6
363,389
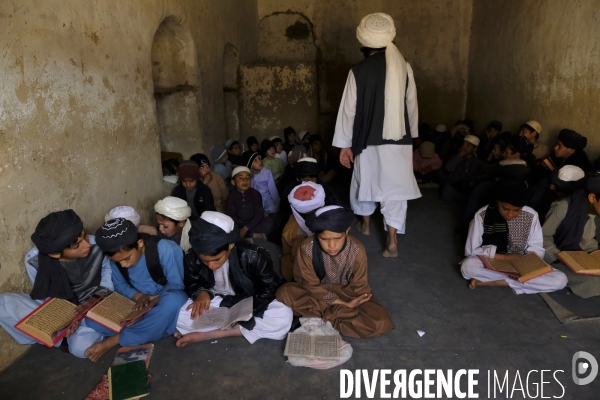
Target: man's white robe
x,y
382,174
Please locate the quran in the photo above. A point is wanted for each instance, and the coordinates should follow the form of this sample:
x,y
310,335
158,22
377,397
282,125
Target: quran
x,y
581,262
523,269
50,322
318,347
223,317
115,312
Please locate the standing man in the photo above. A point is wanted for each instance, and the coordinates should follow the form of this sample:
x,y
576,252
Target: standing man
x,y
377,120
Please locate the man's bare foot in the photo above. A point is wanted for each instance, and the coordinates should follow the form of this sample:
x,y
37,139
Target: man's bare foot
x,y
363,227
203,336
476,282
390,252
97,350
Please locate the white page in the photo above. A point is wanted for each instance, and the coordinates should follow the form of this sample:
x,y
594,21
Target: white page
x,y
214,317
327,347
242,311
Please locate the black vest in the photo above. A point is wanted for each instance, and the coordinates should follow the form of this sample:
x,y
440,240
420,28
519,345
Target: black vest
x,y
370,105
152,261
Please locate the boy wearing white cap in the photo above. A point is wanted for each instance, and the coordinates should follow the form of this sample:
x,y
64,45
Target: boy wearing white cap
x,y
532,130
460,170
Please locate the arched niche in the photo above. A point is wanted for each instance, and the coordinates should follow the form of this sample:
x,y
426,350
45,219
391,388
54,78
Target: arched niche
x,y
231,94
174,73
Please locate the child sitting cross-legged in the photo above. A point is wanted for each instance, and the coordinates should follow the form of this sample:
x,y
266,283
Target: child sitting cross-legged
x,y
245,207
143,268
221,269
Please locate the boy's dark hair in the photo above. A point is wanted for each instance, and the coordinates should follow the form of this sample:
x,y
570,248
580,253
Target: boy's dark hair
x,y
216,251
169,218
314,138
125,247
288,131
277,140
367,50
520,144
233,144
497,125
170,166
300,176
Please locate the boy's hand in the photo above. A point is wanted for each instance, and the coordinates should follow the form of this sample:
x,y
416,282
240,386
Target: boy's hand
x,y
243,231
363,298
82,307
142,300
201,304
73,328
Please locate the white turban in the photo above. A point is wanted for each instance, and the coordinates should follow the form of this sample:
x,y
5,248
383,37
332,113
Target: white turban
x,y
377,31
221,220
306,206
178,210
126,212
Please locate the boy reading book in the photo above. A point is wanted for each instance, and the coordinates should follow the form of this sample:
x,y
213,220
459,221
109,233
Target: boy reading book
x,y
505,230
65,264
305,198
221,269
330,274
143,267
570,226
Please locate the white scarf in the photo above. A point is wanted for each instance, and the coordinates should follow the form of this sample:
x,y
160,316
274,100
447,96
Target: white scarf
x,y
306,206
178,210
377,31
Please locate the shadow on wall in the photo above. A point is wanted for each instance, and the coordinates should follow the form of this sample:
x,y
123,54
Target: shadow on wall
x,y
174,66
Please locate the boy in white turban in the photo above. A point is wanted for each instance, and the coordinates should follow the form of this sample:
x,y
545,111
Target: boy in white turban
x,y
376,122
172,215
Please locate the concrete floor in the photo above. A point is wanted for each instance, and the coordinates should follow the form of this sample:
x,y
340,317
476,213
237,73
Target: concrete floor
x,y
485,329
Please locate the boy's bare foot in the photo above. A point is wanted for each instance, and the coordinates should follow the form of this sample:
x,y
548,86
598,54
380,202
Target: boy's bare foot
x,y
203,336
177,335
475,282
97,350
390,252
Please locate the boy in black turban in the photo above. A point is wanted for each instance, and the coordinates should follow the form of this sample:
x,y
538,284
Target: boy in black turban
x,y
330,273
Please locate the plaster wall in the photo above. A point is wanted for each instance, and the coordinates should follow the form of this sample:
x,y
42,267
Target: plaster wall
x,y
433,36
534,59
78,122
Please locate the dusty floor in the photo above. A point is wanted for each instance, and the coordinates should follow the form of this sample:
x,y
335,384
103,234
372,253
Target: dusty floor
x,y
485,329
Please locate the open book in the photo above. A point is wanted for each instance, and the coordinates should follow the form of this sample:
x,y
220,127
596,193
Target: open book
x,y
522,269
50,322
115,312
223,317
581,262
319,347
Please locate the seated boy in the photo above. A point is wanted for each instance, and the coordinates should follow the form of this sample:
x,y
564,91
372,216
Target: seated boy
x,y
569,151
234,153
198,196
221,270
65,264
279,153
487,141
304,198
571,225
275,165
262,181
172,215
143,267
330,274
214,181
245,207
289,137
532,130
506,229
305,170
222,165
129,213
325,160
304,137
426,163
252,143
460,170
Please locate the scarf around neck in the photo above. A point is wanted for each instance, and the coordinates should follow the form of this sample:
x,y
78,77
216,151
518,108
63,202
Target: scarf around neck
x,y
495,229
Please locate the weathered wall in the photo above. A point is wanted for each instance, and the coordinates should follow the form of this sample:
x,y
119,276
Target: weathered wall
x,y
78,123
433,36
537,59
275,96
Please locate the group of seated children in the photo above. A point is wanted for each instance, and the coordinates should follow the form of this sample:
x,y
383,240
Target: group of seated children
x,y
198,259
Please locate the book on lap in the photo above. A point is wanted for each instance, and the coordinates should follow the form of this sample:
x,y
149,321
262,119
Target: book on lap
x,y
523,269
50,322
115,312
223,317
581,262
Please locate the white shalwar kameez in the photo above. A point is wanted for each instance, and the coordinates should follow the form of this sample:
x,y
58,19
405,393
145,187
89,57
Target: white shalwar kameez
x,y
529,241
382,174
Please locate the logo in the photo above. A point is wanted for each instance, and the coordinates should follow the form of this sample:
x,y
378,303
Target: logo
x,y
583,367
